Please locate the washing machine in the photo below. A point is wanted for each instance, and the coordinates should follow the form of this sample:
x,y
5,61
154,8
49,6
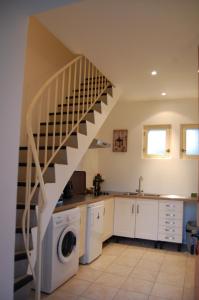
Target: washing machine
x,y
60,250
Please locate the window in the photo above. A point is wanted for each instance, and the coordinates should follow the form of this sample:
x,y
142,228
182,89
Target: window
x,y
189,144
156,141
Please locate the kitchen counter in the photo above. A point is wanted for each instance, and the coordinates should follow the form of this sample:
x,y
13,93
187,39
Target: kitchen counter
x,y
78,200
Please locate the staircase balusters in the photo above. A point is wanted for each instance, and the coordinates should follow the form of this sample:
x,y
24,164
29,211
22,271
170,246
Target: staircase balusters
x,y
68,100
62,100
82,84
47,126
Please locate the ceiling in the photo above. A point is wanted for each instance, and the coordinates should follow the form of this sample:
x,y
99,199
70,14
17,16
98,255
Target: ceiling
x,y
127,39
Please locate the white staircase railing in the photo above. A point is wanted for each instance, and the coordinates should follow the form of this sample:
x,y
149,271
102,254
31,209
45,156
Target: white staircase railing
x,y
60,105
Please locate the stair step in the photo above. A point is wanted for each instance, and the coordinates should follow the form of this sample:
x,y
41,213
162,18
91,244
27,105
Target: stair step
x,y
20,255
64,122
20,183
24,164
25,148
19,229
81,89
82,96
81,103
71,112
56,134
22,281
21,205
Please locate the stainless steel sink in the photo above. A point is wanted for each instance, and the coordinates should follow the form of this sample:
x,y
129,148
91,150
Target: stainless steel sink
x,y
131,193
141,194
151,194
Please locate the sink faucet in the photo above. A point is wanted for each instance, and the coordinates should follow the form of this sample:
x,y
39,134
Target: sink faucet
x,y
140,190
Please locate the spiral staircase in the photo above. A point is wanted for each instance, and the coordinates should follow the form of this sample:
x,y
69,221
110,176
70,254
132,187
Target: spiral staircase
x,y
63,119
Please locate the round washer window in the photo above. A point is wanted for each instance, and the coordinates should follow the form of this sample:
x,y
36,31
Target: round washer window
x,y
66,245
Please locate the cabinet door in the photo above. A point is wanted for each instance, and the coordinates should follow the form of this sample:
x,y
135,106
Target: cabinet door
x,y
124,217
108,219
146,219
82,232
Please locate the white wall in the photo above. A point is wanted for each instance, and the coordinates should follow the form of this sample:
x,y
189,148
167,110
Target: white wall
x,y
122,170
13,29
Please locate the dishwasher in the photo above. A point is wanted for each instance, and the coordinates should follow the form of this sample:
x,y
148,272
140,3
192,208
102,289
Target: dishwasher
x,y
94,230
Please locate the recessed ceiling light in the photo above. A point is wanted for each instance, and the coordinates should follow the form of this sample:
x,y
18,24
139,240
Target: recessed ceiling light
x,y
154,72
163,94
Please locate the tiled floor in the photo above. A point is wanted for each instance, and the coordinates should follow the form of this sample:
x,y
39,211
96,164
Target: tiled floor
x,y
127,272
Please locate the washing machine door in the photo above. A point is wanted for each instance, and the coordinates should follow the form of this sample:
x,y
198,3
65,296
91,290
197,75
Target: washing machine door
x,y
67,244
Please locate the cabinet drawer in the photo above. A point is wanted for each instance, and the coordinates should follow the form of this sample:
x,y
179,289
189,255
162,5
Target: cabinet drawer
x,y
170,230
170,214
170,222
171,206
173,238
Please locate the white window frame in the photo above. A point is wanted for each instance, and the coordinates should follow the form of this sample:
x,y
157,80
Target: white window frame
x,y
146,130
183,128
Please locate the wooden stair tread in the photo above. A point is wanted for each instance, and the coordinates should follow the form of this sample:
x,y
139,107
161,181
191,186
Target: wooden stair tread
x,y
22,281
82,96
25,148
20,255
19,229
56,134
70,112
64,122
81,103
24,164
21,205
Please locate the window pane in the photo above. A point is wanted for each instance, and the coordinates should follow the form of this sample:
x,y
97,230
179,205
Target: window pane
x,y
192,141
156,142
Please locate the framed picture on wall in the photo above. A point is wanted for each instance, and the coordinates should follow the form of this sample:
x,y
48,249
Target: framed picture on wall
x,y
120,140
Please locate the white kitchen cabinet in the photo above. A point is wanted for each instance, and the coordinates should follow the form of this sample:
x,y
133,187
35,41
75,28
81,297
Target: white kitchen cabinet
x,y
146,225
124,217
136,218
108,219
82,232
170,221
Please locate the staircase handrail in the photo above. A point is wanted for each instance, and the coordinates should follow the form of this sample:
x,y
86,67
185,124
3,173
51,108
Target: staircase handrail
x,y
73,79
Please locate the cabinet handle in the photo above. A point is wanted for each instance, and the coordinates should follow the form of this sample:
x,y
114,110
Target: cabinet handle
x,y
171,230
171,223
170,215
138,209
132,208
169,238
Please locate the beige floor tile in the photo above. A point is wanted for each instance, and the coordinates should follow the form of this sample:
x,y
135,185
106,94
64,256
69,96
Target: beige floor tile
x,y
176,279
117,269
75,286
102,262
173,268
114,249
127,261
127,295
137,285
178,260
87,273
145,274
167,291
149,265
189,280
152,256
61,295
111,280
188,294
134,252
100,292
